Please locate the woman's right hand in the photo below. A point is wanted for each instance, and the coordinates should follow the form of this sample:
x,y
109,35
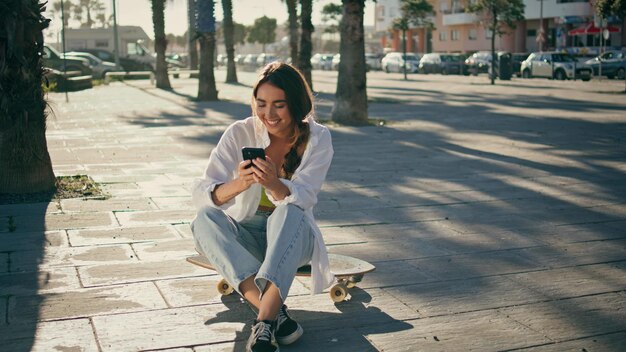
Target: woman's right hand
x,y
246,174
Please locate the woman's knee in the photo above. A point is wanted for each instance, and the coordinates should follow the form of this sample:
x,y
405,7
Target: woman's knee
x,y
287,210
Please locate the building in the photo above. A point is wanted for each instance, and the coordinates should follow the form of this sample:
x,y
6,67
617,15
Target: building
x,y
568,25
102,38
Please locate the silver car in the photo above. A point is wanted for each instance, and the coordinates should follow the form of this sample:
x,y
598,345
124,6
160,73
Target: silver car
x,y
394,62
555,65
99,67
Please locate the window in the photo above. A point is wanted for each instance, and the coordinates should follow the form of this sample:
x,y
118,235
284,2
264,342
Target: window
x,y
442,36
488,33
443,6
454,35
531,33
472,34
456,6
102,43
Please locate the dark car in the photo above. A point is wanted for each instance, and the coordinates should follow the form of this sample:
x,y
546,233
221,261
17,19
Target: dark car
x,y
612,63
441,63
516,62
53,59
480,62
126,63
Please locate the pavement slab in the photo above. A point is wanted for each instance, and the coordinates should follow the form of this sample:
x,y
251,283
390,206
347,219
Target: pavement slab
x,y
84,303
50,336
89,237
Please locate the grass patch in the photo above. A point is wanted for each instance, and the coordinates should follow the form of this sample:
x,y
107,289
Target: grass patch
x,y
78,186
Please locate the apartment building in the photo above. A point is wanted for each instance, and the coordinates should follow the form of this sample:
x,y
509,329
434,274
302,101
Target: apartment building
x,y
567,25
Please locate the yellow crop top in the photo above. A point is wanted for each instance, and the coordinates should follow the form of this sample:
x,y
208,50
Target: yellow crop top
x,y
265,202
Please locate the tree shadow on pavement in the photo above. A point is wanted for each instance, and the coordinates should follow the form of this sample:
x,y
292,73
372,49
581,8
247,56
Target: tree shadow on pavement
x,y
23,244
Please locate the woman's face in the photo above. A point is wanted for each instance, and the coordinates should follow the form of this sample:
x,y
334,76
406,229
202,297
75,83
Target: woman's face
x,y
272,109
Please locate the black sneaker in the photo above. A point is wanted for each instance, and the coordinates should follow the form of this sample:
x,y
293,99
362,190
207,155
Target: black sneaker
x,y
287,330
262,338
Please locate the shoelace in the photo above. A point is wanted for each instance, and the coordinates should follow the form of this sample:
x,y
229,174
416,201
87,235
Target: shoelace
x,y
263,331
282,316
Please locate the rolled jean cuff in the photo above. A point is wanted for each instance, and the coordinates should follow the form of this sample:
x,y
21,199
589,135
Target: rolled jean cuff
x,y
261,281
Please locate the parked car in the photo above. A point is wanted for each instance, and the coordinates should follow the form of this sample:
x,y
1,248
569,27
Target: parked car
x,y
54,60
479,62
322,61
334,64
126,63
612,62
441,63
249,62
516,62
395,61
99,67
265,59
373,61
555,65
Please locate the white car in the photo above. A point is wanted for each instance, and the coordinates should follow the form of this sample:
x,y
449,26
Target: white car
x,y
373,61
395,61
555,65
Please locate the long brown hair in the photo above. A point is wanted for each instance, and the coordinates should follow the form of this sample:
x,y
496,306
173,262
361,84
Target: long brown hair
x,y
300,104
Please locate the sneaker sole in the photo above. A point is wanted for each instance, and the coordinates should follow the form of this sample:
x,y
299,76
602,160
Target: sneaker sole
x,y
293,337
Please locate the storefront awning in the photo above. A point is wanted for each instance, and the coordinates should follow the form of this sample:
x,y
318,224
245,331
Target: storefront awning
x,y
590,28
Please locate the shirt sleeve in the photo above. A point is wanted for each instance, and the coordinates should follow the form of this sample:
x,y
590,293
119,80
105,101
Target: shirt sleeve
x,y
307,181
222,168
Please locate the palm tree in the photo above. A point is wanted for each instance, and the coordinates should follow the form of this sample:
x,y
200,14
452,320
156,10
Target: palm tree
x,y
351,95
229,41
24,158
160,44
306,43
292,9
206,35
191,35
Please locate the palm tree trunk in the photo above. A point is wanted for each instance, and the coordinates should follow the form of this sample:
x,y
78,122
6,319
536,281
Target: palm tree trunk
x,y
293,29
160,44
206,82
306,44
25,165
192,48
351,94
229,41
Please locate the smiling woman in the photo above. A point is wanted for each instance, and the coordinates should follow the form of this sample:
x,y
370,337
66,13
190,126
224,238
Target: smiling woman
x,y
255,224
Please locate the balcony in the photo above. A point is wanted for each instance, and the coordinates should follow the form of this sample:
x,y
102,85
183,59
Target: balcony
x,y
459,18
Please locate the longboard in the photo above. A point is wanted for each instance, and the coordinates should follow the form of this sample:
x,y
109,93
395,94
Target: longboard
x,y
348,271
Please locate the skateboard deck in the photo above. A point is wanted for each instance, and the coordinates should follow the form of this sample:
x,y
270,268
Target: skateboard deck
x,y
348,272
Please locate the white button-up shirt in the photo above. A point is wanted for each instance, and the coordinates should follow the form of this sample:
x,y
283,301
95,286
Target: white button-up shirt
x,y
304,185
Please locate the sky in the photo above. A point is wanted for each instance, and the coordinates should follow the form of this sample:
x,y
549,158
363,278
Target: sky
x,y
138,13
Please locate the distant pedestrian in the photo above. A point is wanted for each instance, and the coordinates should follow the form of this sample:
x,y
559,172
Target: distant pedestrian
x,y
255,221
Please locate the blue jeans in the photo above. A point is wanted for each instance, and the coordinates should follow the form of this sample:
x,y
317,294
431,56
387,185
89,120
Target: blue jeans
x,y
272,247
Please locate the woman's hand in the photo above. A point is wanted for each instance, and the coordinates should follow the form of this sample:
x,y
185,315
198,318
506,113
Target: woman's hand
x,y
264,172
246,174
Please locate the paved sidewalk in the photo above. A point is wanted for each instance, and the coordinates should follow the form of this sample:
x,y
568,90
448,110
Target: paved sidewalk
x,y
495,215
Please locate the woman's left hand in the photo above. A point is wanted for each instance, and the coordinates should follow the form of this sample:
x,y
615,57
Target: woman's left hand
x,y
264,172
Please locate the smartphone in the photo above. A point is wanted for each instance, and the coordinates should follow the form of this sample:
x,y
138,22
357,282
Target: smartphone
x,y
250,153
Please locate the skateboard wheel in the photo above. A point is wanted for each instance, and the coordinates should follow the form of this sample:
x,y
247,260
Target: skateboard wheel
x,y
224,288
338,293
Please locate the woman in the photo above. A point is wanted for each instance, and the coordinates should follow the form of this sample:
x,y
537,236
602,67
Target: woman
x,y
255,221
